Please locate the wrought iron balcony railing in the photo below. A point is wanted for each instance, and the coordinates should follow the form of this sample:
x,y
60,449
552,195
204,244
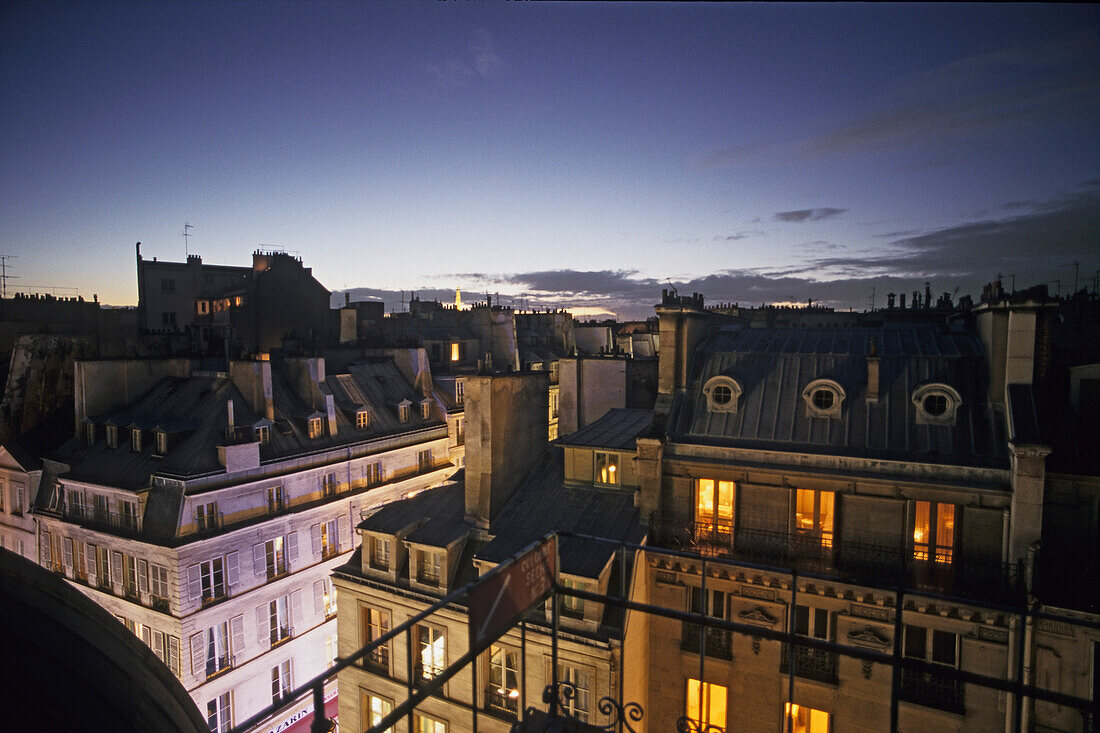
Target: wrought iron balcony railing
x,y
377,660
92,517
933,690
500,700
813,664
717,643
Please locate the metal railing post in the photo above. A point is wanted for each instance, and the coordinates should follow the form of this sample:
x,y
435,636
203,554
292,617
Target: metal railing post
x,y
409,674
522,668
895,679
790,652
321,723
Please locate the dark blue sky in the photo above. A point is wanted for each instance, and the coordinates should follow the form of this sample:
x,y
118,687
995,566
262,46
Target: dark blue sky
x,y
578,153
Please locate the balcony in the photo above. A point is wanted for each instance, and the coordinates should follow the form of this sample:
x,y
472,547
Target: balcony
x,y
717,643
217,665
279,635
932,690
812,664
377,661
499,701
865,564
101,519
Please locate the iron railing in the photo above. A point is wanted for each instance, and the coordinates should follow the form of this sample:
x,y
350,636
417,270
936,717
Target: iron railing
x,y
717,643
914,680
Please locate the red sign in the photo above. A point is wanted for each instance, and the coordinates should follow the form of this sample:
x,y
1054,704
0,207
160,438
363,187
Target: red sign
x,y
496,604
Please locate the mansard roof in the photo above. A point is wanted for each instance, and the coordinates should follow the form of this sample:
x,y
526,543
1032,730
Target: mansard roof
x,y
773,367
618,429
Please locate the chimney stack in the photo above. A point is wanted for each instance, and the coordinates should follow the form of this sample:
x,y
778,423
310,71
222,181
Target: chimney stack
x,y
873,372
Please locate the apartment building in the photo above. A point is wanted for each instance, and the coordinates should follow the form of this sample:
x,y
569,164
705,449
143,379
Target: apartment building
x,y
206,508
416,551
20,474
902,467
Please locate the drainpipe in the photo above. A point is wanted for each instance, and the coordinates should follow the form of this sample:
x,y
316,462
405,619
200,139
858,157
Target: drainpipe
x,y
1029,629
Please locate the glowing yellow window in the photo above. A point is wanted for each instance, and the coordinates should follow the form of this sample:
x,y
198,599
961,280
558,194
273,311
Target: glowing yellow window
x,y
714,502
801,719
934,532
607,468
813,514
706,704
455,352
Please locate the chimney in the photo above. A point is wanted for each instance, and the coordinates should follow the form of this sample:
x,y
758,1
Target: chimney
x,y
873,372
903,301
890,301
229,417
506,433
253,380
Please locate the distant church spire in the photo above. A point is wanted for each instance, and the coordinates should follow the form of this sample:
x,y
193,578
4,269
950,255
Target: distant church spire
x,y
458,298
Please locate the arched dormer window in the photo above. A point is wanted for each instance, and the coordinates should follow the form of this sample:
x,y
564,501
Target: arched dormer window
x,y
722,394
936,404
823,398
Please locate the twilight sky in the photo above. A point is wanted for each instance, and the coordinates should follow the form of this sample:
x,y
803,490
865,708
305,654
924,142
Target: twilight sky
x,y
569,154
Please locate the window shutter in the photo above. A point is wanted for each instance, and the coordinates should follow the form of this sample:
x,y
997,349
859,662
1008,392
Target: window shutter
x,y
198,654
315,533
319,597
116,566
236,630
291,548
68,553
263,633
90,559
194,584
768,510
143,576
44,547
232,568
259,562
174,655
342,528
872,522
158,645
295,608
982,531
147,635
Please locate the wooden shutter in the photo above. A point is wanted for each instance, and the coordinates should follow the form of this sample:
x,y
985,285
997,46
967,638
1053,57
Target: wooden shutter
x,y
263,633
342,529
236,631
174,655
315,533
194,583
90,558
146,635
319,597
982,532
68,545
116,567
869,523
143,576
198,654
764,519
232,569
158,645
291,549
44,548
295,608
259,560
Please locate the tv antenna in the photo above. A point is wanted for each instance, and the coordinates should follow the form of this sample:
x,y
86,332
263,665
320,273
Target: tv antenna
x,y
673,287
186,236
4,276
871,299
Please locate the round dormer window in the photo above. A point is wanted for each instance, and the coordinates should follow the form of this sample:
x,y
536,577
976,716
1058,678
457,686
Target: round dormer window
x,y
936,404
722,393
823,398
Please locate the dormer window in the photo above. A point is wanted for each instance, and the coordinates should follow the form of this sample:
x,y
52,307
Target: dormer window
x,y
112,436
607,468
722,394
425,410
823,398
89,433
429,567
460,388
162,442
936,404
456,351
262,433
403,412
362,419
379,553
135,440
315,427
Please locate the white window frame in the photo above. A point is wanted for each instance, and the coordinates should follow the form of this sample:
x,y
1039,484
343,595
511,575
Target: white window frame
x,y
827,385
722,393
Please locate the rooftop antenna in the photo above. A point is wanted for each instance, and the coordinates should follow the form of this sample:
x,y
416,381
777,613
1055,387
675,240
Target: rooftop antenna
x,y
673,287
186,236
871,300
4,276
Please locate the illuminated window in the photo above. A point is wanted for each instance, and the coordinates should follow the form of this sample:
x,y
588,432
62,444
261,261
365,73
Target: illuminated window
x,y
362,420
431,651
706,704
374,709
502,691
801,719
456,351
315,427
813,516
373,625
607,468
714,504
934,532
424,724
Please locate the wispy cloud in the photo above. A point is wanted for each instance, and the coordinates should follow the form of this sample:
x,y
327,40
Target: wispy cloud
x,y
992,94
801,215
736,236
481,60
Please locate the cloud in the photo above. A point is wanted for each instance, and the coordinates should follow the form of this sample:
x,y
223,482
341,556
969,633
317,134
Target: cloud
x,y
481,60
1002,93
807,215
738,235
